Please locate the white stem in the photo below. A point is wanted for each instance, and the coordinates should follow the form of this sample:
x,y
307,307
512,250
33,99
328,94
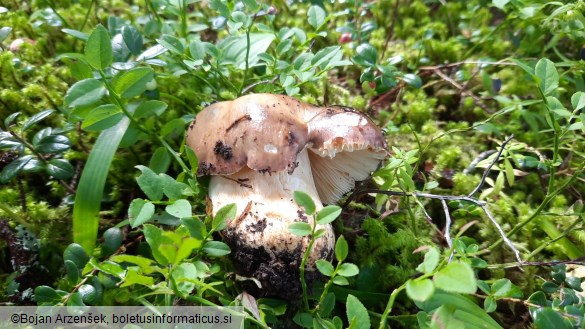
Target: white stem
x,y
266,207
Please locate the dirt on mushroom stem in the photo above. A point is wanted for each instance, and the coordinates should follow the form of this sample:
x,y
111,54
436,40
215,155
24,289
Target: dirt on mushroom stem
x,y
262,245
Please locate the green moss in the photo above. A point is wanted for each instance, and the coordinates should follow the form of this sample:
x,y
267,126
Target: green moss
x,y
417,108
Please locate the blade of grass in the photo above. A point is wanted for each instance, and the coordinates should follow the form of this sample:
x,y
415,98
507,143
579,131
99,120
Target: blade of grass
x,y
91,185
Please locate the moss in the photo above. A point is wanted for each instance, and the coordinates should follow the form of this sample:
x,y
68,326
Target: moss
x,y
417,108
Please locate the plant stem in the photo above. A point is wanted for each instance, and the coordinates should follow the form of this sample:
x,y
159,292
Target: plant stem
x,y
304,264
390,304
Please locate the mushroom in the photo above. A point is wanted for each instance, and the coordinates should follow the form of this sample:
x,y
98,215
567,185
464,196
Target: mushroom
x,y
259,149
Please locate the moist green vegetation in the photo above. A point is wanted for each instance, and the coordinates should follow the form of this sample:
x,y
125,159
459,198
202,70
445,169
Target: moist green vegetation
x,y
100,204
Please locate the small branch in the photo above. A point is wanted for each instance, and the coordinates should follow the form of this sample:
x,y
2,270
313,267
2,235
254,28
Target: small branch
x,y
478,101
468,198
390,32
579,261
528,304
477,160
504,237
447,224
487,170
247,89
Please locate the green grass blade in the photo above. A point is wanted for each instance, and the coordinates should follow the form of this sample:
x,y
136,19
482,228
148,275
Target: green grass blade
x,y
91,185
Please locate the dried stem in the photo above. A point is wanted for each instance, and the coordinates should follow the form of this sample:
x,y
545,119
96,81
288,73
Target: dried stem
x,y
468,198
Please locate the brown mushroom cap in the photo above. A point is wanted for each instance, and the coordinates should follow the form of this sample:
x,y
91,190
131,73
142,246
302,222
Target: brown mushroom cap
x,y
266,132
262,131
346,147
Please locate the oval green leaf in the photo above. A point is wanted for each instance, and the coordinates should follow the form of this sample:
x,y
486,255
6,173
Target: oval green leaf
x,y
98,49
456,277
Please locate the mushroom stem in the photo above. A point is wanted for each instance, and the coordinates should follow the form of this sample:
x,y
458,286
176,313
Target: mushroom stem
x,y
261,242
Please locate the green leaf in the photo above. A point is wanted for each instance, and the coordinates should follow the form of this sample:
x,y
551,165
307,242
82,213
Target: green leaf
x,y
412,80
490,304
108,267
328,214
102,117
112,241
140,212
45,295
300,228
196,227
88,293
348,269
183,276
35,119
132,38
501,288
133,82
341,249
180,208
325,267
500,3
223,215
72,272
234,49
76,34
154,238
134,277
142,262
538,298
467,310
430,261
578,100
98,49
10,119
547,74
340,280
172,43
150,107
305,201
84,93
150,183
456,277
420,290
367,55
216,248
91,185
13,168
160,160
357,314
59,168
53,144
316,16
197,50
76,254
325,56
509,172
172,189
547,318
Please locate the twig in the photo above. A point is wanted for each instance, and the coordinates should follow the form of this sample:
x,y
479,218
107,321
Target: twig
x,y
578,261
448,228
468,198
529,304
258,83
504,237
390,32
478,101
477,160
487,170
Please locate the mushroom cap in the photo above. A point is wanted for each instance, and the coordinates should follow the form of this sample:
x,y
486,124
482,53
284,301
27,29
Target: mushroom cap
x,y
265,132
